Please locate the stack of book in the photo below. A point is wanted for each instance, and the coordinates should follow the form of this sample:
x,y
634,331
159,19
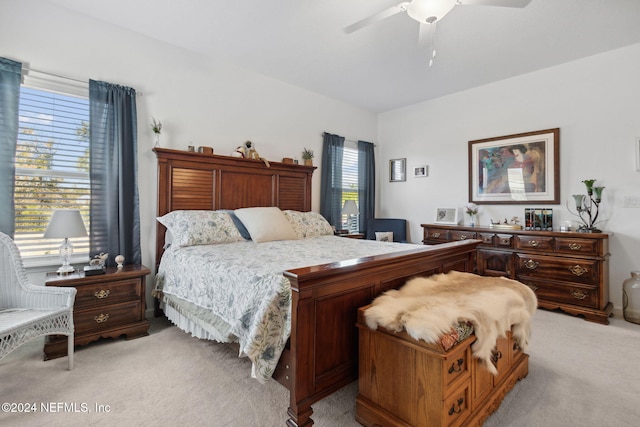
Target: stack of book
x,y
538,219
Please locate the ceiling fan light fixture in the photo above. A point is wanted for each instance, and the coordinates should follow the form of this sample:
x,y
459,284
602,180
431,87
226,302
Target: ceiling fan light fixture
x,y
429,11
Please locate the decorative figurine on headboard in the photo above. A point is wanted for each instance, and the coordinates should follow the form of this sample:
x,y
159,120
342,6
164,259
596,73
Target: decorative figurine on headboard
x,y
247,151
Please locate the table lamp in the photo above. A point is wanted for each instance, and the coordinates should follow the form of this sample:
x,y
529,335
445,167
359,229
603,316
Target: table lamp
x,y
65,223
350,209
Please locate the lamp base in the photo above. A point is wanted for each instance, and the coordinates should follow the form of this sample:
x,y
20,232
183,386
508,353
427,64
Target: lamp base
x,y
66,269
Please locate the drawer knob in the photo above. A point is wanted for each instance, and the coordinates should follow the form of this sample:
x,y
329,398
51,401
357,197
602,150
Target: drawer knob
x,y
496,356
456,366
102,293
579,294
575,246
453,409
531,264
463,237
534,243
436,235
487,239
504,241
532,286
102,318
578,270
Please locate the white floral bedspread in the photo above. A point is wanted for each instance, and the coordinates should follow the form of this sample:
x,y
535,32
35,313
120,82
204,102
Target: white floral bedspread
x,y
242,283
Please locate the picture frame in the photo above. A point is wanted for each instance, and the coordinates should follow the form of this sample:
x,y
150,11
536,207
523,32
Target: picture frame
x,y
638,154
421,171
397,170
522,168
446,216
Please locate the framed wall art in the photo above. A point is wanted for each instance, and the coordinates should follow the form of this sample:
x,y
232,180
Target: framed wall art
x,y
420,171
397,170
446,216
516,169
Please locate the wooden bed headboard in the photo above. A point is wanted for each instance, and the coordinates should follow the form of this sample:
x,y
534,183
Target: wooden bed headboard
x,y
188,181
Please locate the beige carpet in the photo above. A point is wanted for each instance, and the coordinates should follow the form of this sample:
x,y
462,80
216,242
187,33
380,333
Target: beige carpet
x,y
580,374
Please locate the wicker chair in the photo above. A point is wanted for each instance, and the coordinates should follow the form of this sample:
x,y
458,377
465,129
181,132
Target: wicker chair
x,y
28,311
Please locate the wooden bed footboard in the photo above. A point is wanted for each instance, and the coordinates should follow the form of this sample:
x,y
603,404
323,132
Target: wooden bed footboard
x,y
323,348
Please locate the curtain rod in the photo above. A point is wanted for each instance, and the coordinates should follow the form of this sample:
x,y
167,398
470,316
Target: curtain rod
x,y
54,75
352,140
84,82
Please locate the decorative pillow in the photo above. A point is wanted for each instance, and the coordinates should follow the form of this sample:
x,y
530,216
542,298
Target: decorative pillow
x,y
384,236
309,224
239,225
189,228
266,224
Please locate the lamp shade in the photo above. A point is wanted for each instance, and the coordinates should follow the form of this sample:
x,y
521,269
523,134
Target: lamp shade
x,y
65,223
350,208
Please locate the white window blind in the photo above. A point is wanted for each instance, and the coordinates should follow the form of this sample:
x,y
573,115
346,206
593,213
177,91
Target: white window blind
x,y
52,168
350,180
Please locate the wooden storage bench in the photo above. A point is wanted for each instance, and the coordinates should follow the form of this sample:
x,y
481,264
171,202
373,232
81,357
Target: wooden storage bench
x,y
406,382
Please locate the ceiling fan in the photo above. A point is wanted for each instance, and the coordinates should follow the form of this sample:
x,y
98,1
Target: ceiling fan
x,y
428,12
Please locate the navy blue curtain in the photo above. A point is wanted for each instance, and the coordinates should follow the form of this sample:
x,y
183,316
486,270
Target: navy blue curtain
x,y
331,179
10,77
115,211
366,183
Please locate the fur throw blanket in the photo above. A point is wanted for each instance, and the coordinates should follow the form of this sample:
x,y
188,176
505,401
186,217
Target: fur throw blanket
x,y
427,307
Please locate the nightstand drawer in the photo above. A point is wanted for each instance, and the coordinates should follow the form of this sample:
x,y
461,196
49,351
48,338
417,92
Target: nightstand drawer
x,y
107,317
108,293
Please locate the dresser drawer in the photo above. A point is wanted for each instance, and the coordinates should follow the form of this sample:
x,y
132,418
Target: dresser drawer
x,y
456,235
456,407
574,294
108,293
542,243
573,270
107,317
576,246
438,234
456,366
487,238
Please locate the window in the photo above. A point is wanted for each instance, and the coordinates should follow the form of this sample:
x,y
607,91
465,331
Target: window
x,y
52,167
350,184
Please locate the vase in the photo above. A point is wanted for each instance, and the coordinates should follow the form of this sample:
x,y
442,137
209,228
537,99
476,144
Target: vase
x,y
157,143
631,298
308,162
472,220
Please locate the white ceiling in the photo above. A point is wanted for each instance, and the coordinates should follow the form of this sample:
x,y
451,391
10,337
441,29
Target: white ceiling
x,y
380,67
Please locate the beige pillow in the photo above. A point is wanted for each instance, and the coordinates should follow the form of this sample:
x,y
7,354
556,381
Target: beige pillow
x,y
266,224
384,236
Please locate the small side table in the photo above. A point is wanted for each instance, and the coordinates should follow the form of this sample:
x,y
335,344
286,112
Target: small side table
x,y
352,235
106,306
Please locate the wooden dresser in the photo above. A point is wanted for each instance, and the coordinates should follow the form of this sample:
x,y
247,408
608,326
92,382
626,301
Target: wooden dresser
x,y
408,382
106,306
568,271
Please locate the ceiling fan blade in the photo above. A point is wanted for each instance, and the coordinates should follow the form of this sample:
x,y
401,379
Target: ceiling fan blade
x,y
503,3
402,7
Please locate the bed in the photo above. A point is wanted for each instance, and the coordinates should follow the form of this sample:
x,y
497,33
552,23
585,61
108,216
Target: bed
x,y
318,344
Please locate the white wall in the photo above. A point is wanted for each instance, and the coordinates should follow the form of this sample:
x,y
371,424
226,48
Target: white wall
x,y
593,101
200,101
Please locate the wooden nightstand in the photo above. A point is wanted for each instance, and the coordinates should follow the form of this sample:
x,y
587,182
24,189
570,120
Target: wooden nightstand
x,y
352,235
106,306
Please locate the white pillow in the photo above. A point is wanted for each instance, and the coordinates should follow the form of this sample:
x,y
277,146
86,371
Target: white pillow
x,y
384,236
308,224
266,224
195,227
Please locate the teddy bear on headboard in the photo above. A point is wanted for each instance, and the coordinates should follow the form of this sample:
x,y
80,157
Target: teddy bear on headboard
x,y
247,151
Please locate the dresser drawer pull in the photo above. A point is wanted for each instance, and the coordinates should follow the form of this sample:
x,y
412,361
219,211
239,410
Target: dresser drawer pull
x,y
579,294
436,235
453,409
505,241
534,243
102,318
532,286
496,356
487,239
578,270
456,366
531,264
463,237
575,246
102,293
